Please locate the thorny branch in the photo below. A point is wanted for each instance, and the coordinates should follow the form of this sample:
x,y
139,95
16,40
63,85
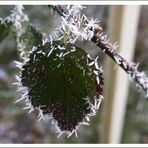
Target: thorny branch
x,y
101,40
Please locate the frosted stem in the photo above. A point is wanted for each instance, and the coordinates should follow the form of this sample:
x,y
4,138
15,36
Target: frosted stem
x,y
110,49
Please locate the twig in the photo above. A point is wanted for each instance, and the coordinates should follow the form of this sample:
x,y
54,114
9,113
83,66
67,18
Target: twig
x,y
110,49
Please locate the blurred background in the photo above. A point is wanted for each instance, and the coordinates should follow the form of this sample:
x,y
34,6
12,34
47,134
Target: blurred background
x,y
123,115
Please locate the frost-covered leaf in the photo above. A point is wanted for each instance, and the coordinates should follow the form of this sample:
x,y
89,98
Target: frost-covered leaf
x,y
5,28
63,82
31,37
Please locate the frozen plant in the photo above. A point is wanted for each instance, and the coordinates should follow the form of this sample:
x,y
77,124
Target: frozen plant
x,y
58,78
101,40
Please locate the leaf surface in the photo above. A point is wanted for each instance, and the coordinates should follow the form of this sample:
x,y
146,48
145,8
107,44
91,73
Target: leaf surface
x,y
59,80
31,37
5,28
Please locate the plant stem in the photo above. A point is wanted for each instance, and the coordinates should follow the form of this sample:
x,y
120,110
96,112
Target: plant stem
x,y
110,49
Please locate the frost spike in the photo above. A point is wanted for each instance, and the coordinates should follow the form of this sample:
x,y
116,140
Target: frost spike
x,y
76,133
85,123
59,135
22,98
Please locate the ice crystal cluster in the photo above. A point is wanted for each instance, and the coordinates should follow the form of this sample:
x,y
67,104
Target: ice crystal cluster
x,y
75,25
18,18
58,78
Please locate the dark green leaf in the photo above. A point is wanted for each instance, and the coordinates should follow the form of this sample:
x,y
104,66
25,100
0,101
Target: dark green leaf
x,y
5,28
31,37
59,85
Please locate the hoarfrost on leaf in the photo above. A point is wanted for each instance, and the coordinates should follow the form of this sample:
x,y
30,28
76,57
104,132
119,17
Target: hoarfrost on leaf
x,y
60,85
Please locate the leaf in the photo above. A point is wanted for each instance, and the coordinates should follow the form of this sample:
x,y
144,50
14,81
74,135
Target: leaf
x,y
5,28
31,37
61,83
